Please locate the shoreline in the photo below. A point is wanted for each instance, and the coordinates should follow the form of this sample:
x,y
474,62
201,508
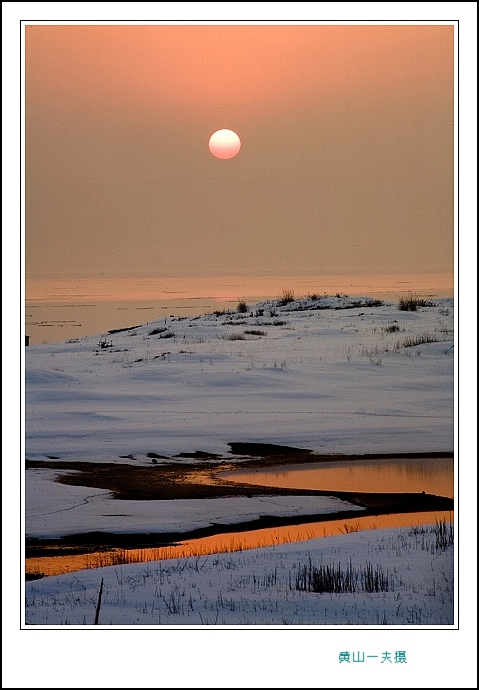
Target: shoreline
x,y
203,481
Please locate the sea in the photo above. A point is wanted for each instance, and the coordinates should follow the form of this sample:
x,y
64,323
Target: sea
x,y
61,310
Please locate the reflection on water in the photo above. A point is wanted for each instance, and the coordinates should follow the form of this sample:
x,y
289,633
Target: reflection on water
x,y
226,543
401,475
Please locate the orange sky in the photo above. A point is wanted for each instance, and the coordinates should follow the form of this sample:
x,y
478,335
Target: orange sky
x,y
346,162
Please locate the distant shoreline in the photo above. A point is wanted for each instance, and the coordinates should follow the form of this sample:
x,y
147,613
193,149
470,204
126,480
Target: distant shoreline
x,y
61,309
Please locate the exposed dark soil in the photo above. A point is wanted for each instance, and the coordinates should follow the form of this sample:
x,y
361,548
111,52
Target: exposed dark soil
x,y
203,480
265,449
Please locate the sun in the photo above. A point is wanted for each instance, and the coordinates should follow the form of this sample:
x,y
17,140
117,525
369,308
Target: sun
x,y
224,144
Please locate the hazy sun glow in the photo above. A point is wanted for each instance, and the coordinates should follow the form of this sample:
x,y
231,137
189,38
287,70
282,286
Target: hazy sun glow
x,y
224,144
349,135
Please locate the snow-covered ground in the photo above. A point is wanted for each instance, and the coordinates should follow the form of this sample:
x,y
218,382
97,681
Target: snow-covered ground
x,y
54,509
316,373
410,582
332,374
311,373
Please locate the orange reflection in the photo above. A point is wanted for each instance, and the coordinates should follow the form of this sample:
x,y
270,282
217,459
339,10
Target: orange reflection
x,y
402,475
109,289
226,543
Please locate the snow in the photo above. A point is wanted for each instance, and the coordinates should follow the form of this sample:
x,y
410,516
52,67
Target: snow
x,y
258,587
54,510
330,379
329,374
332,374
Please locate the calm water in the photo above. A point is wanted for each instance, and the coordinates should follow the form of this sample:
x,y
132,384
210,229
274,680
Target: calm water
x,y
434,476
401,475
59,310
226,543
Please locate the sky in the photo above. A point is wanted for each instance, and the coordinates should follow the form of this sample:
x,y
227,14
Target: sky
x,y
346,163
